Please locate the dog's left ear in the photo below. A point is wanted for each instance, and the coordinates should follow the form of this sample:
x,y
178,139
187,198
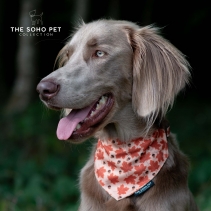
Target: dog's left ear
x,y
160,71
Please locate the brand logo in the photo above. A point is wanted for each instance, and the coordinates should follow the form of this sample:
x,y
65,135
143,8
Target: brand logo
x,y
36,29
36,19
144,188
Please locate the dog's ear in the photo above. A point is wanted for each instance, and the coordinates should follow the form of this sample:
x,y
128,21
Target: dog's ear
x,y
32,13
160,71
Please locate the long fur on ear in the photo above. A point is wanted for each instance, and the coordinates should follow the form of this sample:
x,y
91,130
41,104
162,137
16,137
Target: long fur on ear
x,y
160,71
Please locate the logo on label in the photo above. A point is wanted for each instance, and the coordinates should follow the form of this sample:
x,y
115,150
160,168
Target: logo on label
x,y
144,188
36,19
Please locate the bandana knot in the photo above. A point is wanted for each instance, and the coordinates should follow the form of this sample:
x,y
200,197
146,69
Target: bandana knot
x,y
124,168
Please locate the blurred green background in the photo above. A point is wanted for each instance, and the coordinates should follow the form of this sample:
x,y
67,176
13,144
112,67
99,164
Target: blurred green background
x,y
38,172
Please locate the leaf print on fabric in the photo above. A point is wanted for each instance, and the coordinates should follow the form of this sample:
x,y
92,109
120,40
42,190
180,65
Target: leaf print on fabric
x,y
166,156
156,145
163,142
143,180
122,189
108,149
119,142
153,165
145,144
130,179
137,141
101,183
120,153
161,133
139,169
111,164
113,178
160,156
155,134
126,166
145,157
100,172
100,155
134,152
99,144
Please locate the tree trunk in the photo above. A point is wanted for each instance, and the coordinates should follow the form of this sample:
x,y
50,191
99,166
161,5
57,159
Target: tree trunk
x,y
26,62
81,10
2,83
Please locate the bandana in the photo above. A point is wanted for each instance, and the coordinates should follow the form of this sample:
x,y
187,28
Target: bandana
x,y
122,169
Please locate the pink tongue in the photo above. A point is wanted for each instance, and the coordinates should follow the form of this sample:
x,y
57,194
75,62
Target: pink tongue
x,y
67,124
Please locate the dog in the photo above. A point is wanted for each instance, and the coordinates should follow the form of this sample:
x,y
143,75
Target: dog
x,y
35,19
115,82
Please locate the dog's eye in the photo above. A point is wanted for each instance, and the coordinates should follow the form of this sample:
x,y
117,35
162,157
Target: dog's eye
x,y
99,53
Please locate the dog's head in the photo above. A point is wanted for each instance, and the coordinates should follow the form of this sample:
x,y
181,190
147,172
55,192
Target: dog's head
x,y
111,69
32,13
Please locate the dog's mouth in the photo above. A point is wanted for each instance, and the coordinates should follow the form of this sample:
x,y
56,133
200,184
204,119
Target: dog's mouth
x,y
81,123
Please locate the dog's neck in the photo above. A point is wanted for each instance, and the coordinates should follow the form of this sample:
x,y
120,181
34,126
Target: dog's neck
x,y
126,126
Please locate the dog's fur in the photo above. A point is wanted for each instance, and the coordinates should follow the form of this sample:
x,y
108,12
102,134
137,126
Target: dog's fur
x,y
144,72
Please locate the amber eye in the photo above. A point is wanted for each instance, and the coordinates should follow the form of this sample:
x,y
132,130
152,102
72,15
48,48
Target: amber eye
x,y
99,53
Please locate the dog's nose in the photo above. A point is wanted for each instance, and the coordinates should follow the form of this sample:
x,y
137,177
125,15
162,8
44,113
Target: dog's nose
x,y
47,89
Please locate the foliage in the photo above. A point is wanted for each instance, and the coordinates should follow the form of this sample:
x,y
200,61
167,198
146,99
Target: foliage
x,y
191,121
39,173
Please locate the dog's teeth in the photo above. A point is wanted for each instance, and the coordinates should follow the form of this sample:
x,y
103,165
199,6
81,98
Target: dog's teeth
x,y
102,100
92,113
78,126
98,106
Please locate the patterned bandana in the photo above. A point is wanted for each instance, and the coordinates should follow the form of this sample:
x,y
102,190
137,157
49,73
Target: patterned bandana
x,y
124,168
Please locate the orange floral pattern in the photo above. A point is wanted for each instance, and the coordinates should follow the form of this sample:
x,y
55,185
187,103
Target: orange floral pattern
x,y
124,168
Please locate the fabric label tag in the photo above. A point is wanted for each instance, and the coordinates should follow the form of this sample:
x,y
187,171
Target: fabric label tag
x,y
144,188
